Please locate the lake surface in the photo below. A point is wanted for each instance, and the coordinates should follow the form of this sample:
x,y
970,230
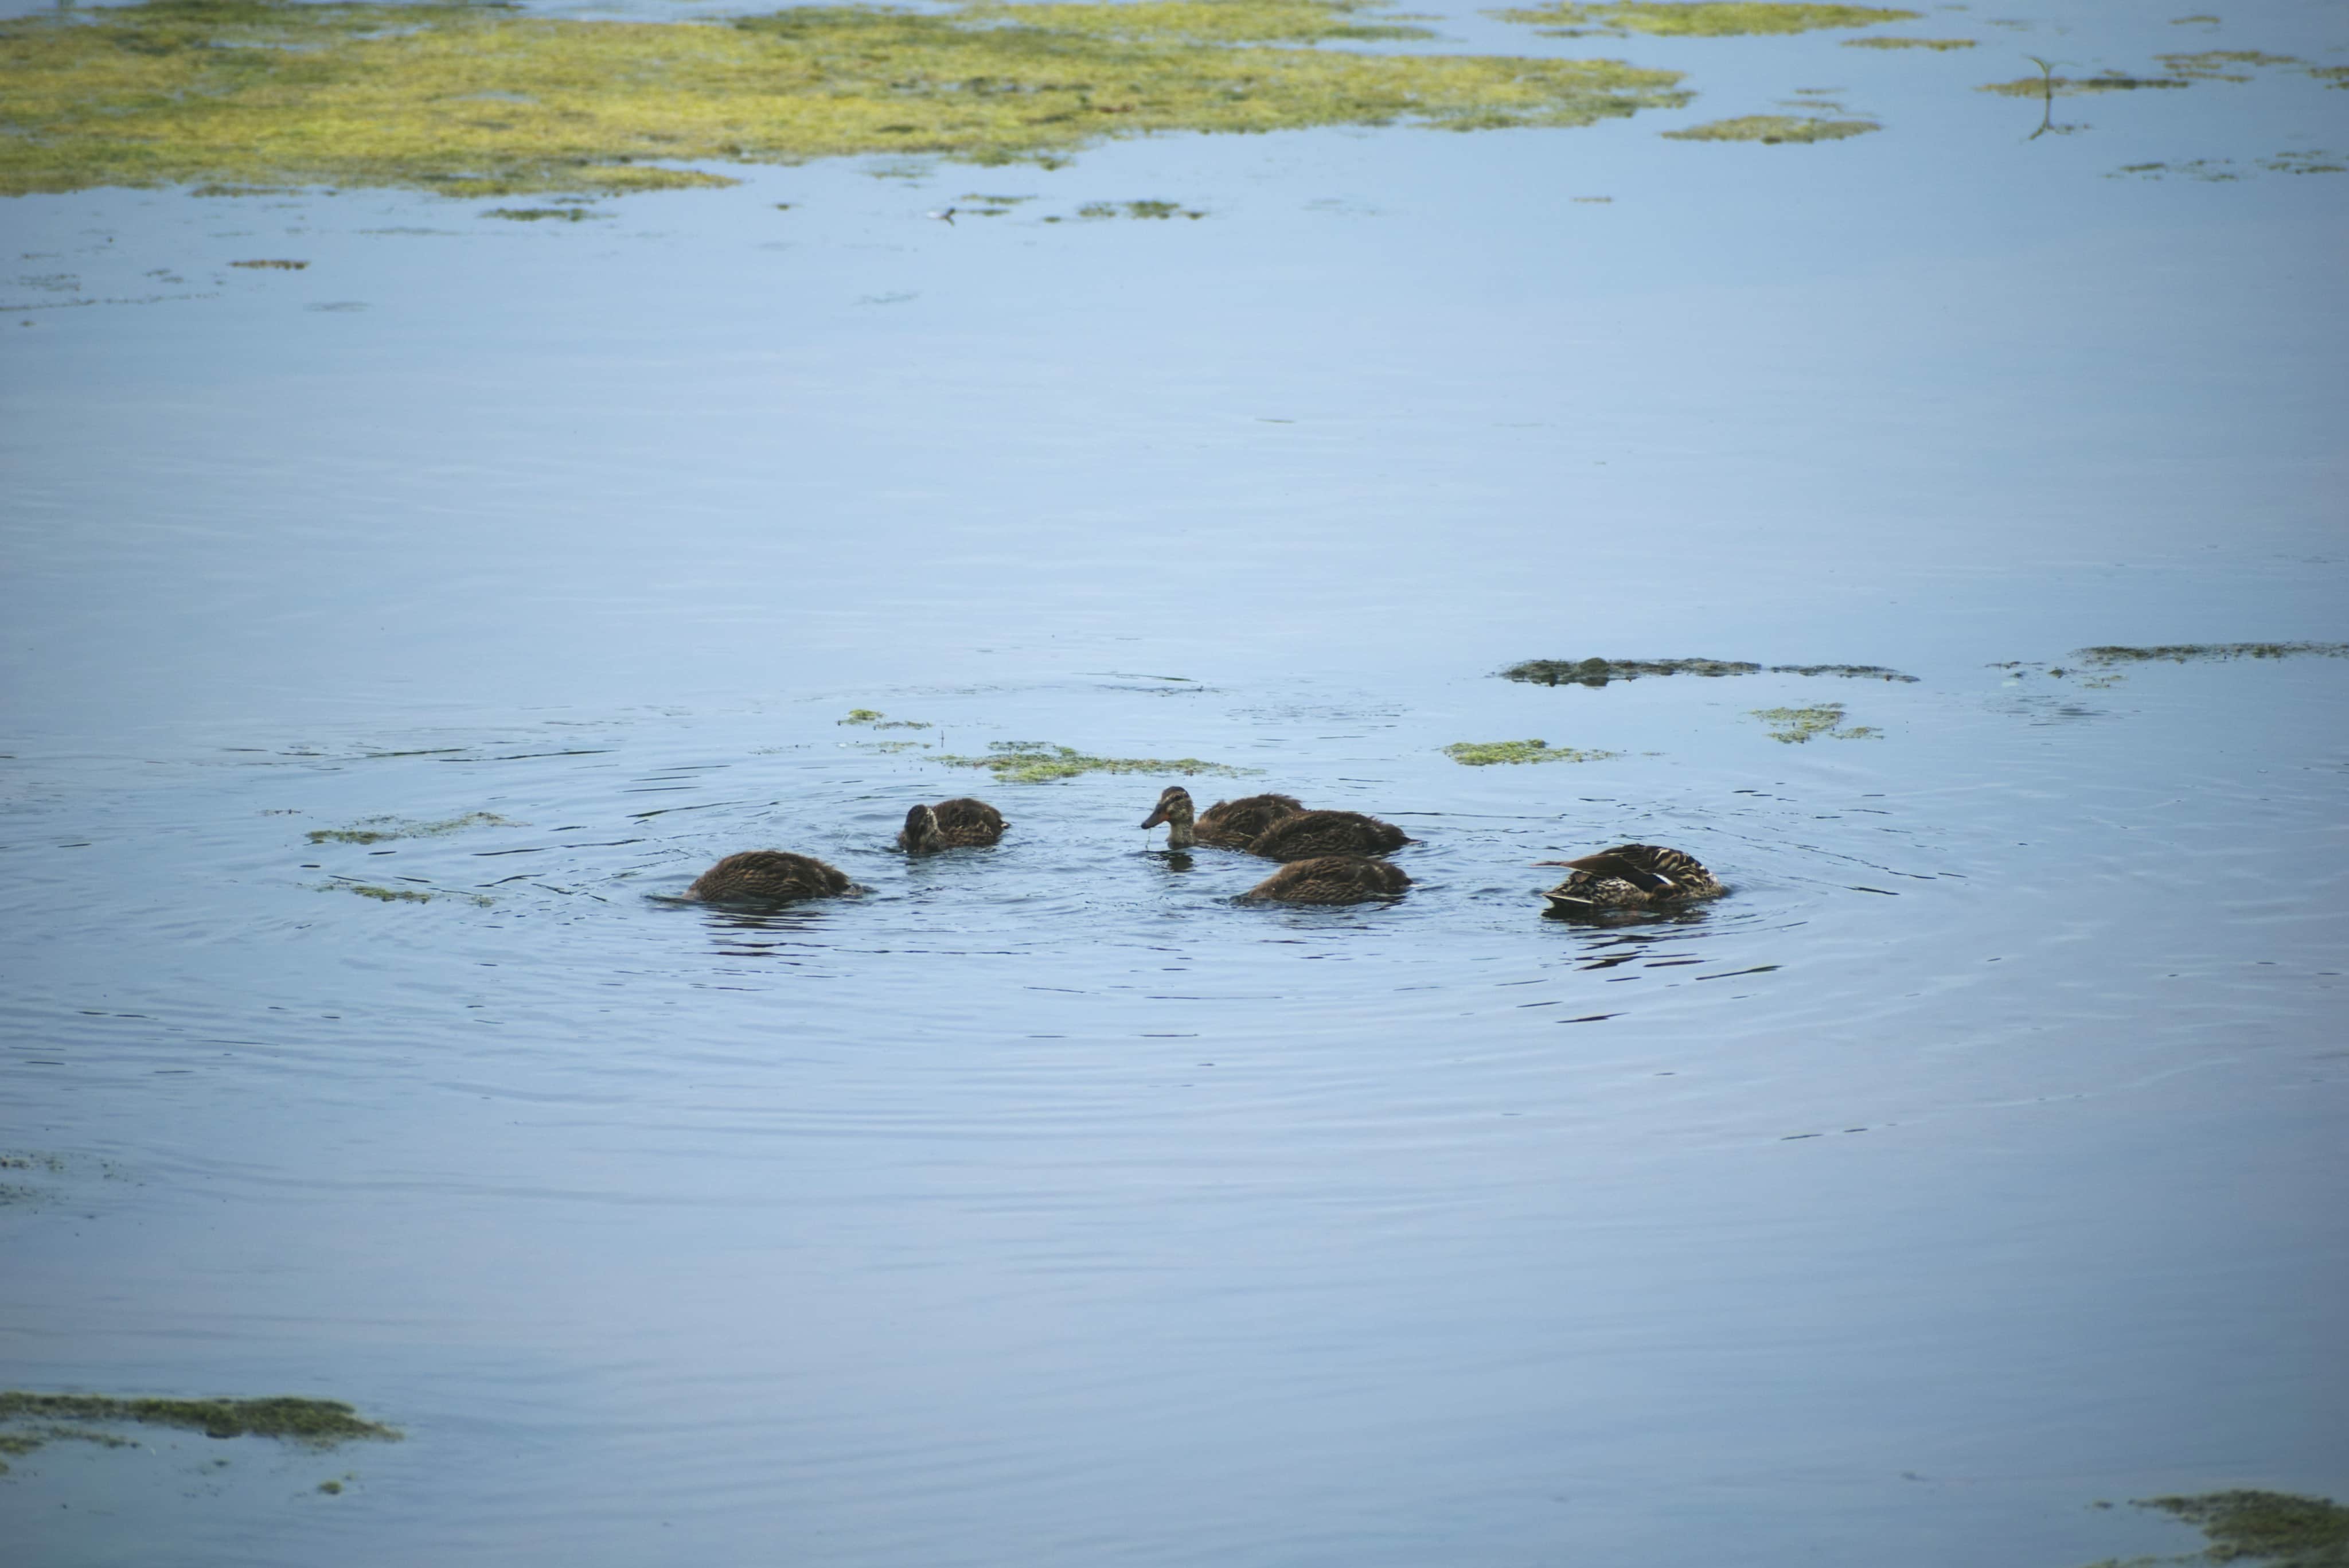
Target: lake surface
x,y
1976,1160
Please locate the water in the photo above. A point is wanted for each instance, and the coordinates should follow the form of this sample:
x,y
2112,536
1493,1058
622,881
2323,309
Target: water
x,y
1976,1160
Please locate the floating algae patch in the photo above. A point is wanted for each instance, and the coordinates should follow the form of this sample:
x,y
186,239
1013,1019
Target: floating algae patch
x,y
1487,753
377,829
489,99
2051,86
2111,656
1094,211
543,214
880,721
1794,726
1035,762
2264,1526
1773,128
2223,65
1599,671
1699,19
1942,44
28,1421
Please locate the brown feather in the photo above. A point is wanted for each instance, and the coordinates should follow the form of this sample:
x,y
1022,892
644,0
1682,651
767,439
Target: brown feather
x,y
1333,879
1315,833
768,877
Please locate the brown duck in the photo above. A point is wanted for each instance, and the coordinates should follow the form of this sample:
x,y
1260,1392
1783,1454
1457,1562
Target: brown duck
x,y
959,824
1228,823
1630,876
1333,879
1291,835
768,877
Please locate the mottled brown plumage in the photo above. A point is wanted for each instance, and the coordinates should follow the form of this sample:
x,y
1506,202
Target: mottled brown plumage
x,y
1313,833
768,877
1630,876
959,824
1228,823
1333,879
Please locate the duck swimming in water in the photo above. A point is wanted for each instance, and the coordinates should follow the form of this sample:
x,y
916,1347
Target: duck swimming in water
x,y
959,824
1630,876
1288,834
1226,825
1331,879
768,877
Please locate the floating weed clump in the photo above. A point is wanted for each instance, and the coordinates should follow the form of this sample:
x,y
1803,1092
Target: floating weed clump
x,y
28,1420
1794,726
543,214
405,895
377,829
2208,652
1942,45
1036,761
879,722
489,99
1094,211
2266,1526
1599,671
1699,19
1487,753
1773,128
2054,86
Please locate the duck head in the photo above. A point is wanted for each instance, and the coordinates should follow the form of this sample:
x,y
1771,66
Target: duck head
x,y
1173,810
921,831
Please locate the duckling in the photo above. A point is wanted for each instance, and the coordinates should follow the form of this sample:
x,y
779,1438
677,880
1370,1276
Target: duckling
x,y
1331,879
1630,876
959,824
1228,823
767,877
1313,833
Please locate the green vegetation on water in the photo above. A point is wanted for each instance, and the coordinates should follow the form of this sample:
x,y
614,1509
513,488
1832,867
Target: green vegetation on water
x,y
1036,761
1599,671
377,829
880,721
489,99
1775,127
29,1420
2248,1526
1794,726
1942,44
2209,652
1486,754
1699,19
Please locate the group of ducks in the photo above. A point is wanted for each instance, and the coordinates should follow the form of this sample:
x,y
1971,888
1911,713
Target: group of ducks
x,y
1328,857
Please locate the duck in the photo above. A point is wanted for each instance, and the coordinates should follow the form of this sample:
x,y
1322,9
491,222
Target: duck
x,y
1331,879
1285,834
768,877
1228,823
1630,876
959,824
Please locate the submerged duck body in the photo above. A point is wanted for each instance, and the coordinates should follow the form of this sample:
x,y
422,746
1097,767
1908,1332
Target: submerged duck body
x,y
1226,825
1630,876
768,877
959,824
1333,879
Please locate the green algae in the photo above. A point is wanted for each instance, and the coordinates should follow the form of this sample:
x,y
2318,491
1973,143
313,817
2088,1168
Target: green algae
x,y
1792,726
1038,762
543,214
2223,65
378,829
2271,1526
1698,18
2047,86
477,100
1599,671
2111,655
1775,127
1941,44
870,718
1095,211
1487,753
311,1423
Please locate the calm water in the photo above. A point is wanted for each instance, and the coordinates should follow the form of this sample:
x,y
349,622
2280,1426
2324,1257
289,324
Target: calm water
x,y
1977,1159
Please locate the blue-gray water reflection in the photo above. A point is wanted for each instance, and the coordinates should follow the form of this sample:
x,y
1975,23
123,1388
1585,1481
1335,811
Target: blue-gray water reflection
x,y
1975,1159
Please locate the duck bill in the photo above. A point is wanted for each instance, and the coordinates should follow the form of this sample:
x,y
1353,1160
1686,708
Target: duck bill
x,y
1155,818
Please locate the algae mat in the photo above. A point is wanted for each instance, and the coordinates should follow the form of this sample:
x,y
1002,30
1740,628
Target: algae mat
x,y
482,99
